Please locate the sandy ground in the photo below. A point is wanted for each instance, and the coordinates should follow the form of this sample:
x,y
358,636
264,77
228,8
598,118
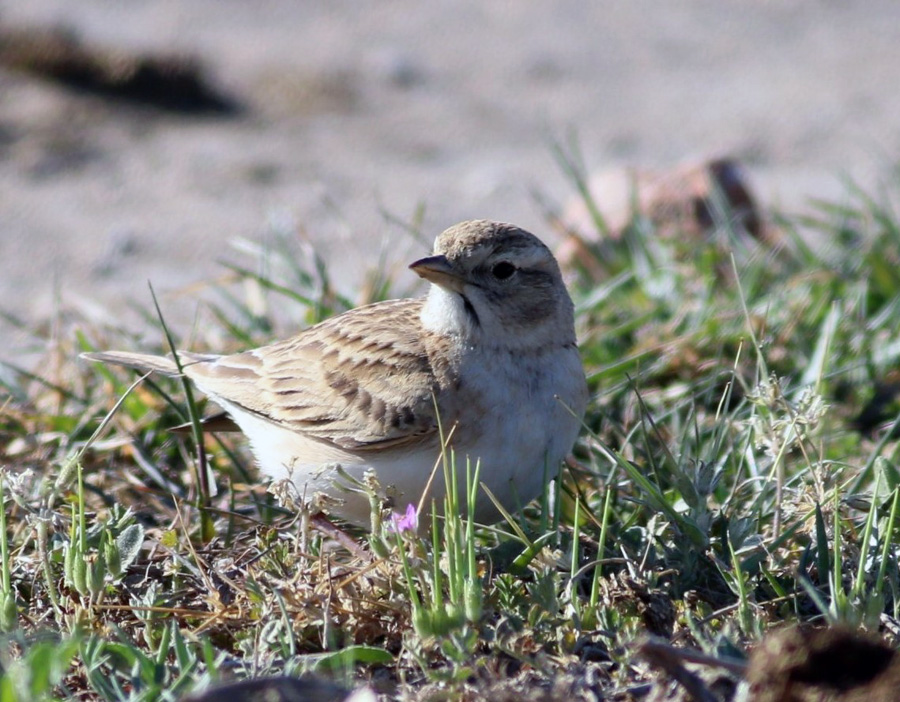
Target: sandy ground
x,y
353,112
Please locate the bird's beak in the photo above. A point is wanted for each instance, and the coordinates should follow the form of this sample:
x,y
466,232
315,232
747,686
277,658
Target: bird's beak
x,y
438,270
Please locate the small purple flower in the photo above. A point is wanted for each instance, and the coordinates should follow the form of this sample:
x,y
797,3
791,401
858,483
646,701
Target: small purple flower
x,y
406,522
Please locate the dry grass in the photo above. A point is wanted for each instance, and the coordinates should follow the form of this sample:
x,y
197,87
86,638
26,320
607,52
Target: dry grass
x,y
737,470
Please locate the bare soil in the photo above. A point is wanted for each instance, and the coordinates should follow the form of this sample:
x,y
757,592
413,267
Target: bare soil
x,y
351,112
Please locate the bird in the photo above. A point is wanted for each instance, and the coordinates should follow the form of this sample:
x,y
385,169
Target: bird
x,y
486,363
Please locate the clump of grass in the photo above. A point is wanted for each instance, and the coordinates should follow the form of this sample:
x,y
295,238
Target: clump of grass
x,y
738,469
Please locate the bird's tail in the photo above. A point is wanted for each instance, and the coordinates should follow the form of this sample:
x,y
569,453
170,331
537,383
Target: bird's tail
x,y
139,361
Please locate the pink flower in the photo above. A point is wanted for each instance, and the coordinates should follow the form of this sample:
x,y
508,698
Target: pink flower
x,y
406,522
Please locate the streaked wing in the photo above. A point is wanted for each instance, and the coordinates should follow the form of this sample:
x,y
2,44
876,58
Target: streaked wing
x,y
361,380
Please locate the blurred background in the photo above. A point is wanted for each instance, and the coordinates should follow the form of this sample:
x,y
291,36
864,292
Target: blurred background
x,y
139,139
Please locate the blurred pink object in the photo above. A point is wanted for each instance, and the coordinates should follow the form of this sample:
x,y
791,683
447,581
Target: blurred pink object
x,y
406,522
686,201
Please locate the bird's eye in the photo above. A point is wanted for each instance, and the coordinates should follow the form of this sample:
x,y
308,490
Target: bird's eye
x,y
503,270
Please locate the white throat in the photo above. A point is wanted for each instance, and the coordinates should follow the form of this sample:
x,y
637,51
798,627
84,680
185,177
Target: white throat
x,y
445,313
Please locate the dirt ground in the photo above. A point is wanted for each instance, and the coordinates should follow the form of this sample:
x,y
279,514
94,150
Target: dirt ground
x,y
351,112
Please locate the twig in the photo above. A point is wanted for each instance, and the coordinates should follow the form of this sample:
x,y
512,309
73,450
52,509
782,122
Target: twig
x,y
663,655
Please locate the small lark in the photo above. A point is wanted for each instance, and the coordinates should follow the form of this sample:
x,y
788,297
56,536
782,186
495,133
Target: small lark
x,y
489,354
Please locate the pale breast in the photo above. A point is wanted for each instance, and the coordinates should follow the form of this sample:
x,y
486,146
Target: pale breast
x,y
519,414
